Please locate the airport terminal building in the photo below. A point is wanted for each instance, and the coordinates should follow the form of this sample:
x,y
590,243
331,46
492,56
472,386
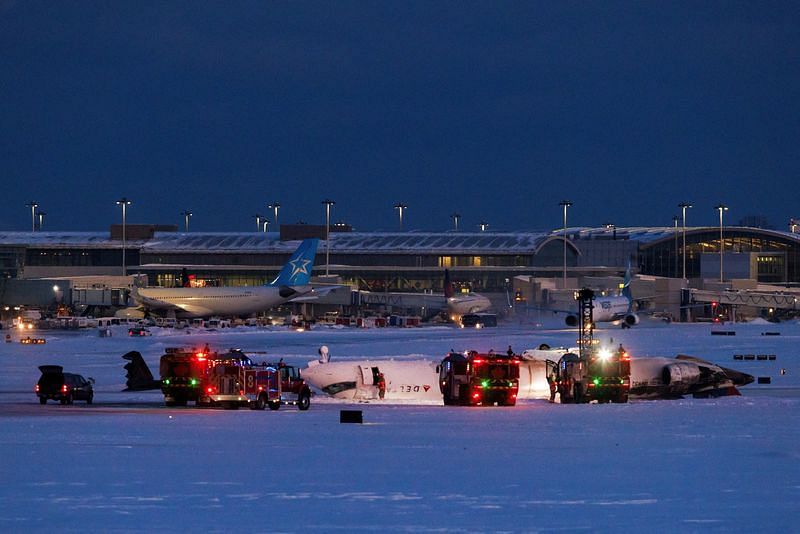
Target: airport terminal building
x,y
485,262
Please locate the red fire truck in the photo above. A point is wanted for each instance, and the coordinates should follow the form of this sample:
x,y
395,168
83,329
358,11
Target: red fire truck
x,y
473,379
226,379
294,389
233,381
183,374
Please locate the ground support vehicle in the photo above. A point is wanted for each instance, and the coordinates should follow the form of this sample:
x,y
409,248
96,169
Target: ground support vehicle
x,y
294,389
478,320
64,387
473,379
595,374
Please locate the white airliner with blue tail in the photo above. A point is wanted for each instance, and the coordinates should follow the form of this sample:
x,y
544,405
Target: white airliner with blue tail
x,y
291,283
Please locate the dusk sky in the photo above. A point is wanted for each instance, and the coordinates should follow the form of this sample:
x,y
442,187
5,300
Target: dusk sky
x,y
495,110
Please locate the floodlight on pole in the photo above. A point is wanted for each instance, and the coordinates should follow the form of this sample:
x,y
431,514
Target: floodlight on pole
x,y
455,217
275,206
483,226
565,204
400,207
721,208
328,203
33,205
683,206
186,215
266,225
257,217
124,202
675,220
41,215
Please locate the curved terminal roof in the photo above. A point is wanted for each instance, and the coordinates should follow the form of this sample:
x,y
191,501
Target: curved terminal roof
x,y
653,234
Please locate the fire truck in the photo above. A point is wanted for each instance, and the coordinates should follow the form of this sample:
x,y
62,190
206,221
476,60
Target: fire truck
x,y
183,375
233,381
226,379
294,389
473,379
595,373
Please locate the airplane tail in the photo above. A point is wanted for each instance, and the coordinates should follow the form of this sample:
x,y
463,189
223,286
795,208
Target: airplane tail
x,y
185,278
626,287
139,377
448,285
297,271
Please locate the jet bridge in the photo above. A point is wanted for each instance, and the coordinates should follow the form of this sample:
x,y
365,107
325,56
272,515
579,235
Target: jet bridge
x,y
787,300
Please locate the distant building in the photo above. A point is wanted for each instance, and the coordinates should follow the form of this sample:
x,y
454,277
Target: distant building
x,y
404,261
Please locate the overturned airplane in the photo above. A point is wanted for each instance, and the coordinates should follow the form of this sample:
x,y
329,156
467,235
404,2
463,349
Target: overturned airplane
x,y
418,380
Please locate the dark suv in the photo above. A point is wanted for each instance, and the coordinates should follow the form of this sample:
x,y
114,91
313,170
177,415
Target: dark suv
x,y
64,387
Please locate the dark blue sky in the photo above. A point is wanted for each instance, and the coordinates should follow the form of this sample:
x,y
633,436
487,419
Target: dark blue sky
x,y
496,110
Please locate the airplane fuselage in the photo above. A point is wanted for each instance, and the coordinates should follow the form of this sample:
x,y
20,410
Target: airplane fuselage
x,y
610,308
464,304
418,380
224,301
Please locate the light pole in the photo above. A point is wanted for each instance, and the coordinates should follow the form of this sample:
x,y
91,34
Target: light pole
x,y
257,217
328,203
186,214
266,225
565,204
41,215
483,226
275,207
675,224
33,205
455,217
721,208
400,207
124,202
683,206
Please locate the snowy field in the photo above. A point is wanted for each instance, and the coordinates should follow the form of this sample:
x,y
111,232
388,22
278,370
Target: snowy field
x,y
127,463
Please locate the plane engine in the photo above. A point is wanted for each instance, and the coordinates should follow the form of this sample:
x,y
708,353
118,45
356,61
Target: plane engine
x,y
571,320
679,377
631,319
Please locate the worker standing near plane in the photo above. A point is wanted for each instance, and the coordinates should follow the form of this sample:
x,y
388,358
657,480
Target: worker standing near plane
x,y
381,386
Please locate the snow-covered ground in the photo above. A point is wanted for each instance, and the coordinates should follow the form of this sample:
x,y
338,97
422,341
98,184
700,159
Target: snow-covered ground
x,y
129,463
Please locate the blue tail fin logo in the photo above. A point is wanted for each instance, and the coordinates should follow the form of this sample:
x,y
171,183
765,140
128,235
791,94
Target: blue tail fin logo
x,y
297,271
626,287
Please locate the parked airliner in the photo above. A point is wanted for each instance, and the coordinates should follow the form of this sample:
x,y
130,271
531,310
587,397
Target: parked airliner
x,y
462,304
608,309
291,283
